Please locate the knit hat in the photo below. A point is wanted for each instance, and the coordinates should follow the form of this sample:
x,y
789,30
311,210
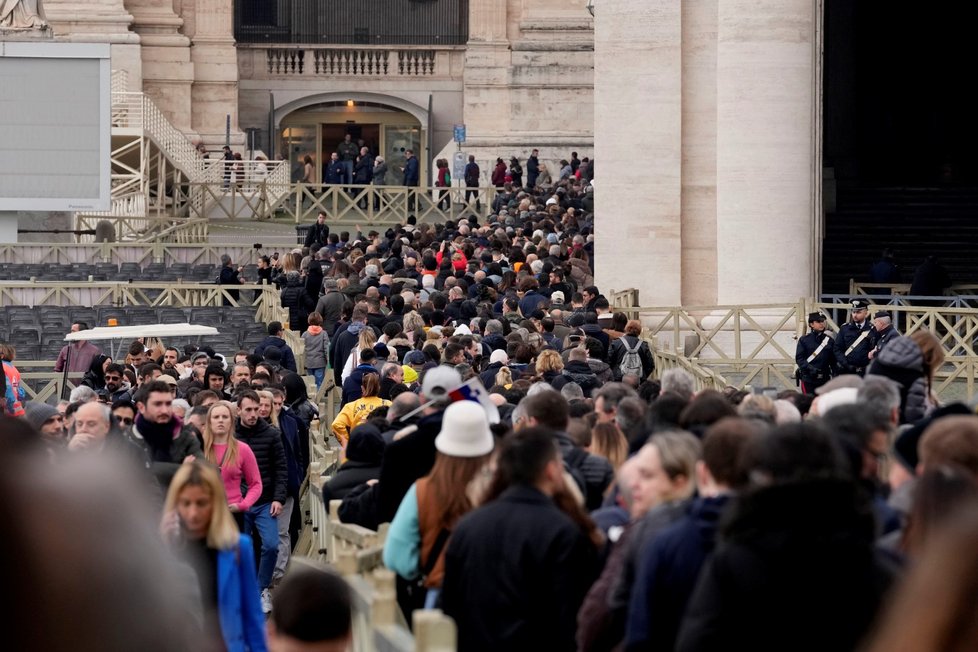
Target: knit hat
x,y
37,412
410,375
465,431
415,358
366,444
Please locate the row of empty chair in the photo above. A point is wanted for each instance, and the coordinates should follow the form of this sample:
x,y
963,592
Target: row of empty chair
x,y
38,332
151,272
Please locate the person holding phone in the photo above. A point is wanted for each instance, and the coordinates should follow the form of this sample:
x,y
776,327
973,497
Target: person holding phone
x,y
197,522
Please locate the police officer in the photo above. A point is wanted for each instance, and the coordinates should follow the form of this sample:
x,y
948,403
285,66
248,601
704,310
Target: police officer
x,y
855,340
815,355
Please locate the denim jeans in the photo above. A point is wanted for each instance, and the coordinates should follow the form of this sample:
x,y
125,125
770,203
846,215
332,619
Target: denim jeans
x,y
319,375
348,166
259,518
284,541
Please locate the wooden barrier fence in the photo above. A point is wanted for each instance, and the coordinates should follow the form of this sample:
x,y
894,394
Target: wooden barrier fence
x,y
750,345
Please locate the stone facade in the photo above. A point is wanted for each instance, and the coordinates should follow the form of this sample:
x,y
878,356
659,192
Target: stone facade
x,y
717,202
524,79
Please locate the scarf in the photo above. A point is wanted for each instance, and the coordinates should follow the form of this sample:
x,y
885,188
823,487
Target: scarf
x,y
159,437
315,330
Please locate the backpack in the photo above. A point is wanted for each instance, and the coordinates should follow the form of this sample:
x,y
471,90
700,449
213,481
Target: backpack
x,y
631,363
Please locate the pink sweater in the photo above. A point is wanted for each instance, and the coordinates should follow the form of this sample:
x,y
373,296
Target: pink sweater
x,y
247,467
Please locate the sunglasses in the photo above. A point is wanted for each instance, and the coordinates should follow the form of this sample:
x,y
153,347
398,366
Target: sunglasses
x,y
126,421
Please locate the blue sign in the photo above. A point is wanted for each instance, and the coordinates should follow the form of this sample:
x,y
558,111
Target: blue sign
x,y
459,133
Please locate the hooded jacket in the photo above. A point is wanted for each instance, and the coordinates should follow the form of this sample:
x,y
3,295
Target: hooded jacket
x,y
578,371
288,357
903,362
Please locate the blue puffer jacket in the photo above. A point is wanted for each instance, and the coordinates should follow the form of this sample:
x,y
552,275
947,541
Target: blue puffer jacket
x,y
238,604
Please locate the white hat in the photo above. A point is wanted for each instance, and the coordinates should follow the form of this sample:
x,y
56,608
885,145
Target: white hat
x,y
499,355
835,398
557,297
462,329
551,201
438,381
427,281
464,431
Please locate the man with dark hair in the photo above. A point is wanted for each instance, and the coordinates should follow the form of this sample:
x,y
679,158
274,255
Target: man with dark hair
x,y
352,389
114,389
160,434
522,560
216,380
78,354
592,473
312,612
137,355
671,564
266,443
274,340
148,373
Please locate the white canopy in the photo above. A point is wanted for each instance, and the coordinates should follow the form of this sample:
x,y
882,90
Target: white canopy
x,y
135,332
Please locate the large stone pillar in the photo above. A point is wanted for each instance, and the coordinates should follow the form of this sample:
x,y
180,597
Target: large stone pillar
x,y
766,152
168,72
100,21
638,148
214,94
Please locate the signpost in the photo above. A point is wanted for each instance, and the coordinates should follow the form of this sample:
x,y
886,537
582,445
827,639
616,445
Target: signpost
x,y
459,134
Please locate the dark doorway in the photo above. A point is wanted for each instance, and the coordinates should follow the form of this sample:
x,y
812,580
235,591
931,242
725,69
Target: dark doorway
x,y
333,135
897,93
899,138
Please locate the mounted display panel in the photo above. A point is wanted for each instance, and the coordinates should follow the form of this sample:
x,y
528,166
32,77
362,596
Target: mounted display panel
x,y
55,126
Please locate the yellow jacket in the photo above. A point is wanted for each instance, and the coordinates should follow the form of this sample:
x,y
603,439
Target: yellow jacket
x,y
353,414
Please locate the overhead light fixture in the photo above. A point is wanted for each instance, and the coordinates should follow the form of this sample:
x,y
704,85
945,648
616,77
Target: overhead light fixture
x,y
590,7
350,103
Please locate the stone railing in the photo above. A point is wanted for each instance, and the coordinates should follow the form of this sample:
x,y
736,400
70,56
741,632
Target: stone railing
x,y
368,62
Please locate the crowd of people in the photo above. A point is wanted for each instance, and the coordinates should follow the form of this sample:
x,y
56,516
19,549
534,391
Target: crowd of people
x,y
545,485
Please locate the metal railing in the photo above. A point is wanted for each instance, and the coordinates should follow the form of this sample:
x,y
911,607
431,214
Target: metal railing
x,y
368,22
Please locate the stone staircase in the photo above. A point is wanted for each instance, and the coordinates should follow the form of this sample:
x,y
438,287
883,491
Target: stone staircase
x,y
914,222
161,182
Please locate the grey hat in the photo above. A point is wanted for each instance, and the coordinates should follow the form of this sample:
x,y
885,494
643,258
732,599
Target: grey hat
x,y
198,355
37,412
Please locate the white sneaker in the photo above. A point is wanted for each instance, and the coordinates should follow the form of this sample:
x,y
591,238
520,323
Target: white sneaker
x,y
266,601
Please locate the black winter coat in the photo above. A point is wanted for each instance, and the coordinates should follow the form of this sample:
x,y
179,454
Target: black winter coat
x,y
796,569
348,477
266,443
294,298
618,354
516,572
578,372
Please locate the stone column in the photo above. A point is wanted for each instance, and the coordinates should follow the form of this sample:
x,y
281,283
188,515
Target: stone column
x,y
168,72
214,93
765,150
99,21
638,148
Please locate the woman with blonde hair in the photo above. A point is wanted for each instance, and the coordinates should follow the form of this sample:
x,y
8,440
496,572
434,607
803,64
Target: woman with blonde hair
x,y
356,412
504,377
414,329
365,340
608,441
197,522
549,365
234,458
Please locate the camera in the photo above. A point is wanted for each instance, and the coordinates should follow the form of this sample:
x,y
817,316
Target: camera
x,y
258,245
